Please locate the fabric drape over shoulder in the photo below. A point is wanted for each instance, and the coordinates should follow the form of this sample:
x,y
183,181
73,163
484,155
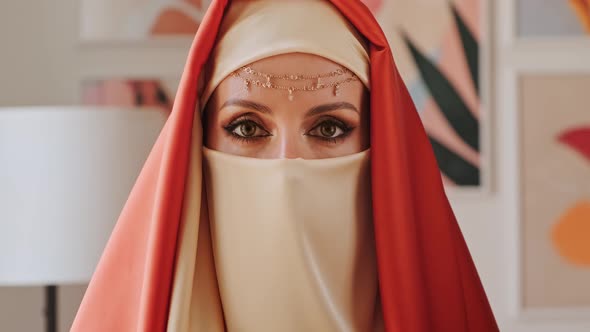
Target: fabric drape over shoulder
x,y
427,279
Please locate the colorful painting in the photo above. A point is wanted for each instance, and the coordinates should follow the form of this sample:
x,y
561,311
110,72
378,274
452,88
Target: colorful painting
x,y
145,93
556,190
440,63
553,18
108,20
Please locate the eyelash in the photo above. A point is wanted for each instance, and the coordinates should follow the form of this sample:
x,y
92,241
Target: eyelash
x,y
240,121
346,129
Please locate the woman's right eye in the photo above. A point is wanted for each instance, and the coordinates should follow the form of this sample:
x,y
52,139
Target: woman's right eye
x,y
247,129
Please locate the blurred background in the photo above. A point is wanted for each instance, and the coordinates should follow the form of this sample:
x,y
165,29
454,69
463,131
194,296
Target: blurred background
x,y
502,87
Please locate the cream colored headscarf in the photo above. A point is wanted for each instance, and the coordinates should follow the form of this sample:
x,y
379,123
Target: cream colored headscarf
x,y
251,30
258,29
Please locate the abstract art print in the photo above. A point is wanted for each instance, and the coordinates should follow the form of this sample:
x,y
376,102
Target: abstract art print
x,y
133,93
555,124
553,18
441,63
136,20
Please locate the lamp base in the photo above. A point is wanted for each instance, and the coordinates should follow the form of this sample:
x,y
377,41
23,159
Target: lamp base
x,y
51,308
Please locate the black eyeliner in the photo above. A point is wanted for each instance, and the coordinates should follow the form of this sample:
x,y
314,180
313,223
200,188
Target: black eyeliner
x,y
346,129
240,120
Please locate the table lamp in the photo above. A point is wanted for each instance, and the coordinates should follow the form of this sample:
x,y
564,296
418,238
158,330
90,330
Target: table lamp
x,y
65,174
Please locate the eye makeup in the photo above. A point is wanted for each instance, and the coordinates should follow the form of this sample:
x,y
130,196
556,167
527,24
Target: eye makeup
x,y
246,128
330,129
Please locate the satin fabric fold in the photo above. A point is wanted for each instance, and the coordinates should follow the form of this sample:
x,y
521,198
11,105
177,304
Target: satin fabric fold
x,y
195,304
427,279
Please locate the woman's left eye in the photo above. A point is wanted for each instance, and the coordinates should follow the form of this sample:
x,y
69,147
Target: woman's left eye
x,y
329,130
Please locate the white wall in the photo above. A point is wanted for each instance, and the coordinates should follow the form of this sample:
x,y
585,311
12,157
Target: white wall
x,y
41,62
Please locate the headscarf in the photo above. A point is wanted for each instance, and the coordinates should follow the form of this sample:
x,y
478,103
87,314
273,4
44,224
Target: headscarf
x,y
254,30
427,279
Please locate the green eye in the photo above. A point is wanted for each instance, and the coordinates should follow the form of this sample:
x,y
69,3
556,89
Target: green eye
x,y
246,129
329,129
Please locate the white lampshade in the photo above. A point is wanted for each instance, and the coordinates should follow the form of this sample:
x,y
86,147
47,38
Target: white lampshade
x,y
65,174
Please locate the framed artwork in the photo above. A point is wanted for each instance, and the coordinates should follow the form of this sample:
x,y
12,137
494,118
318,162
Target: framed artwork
x,y
555,188
444,65
138,20
145,93
553,18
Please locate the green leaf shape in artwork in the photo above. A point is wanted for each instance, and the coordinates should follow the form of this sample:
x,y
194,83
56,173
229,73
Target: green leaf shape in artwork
x,y
446,97
454,167
470,48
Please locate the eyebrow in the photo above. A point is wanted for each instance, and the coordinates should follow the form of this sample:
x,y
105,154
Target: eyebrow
x,y
266,110
331,107
247,104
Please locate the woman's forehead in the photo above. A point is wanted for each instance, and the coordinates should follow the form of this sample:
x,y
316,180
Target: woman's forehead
x,y
296,63
232,87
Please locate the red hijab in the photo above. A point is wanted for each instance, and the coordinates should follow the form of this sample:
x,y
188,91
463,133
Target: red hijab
x,y
427,279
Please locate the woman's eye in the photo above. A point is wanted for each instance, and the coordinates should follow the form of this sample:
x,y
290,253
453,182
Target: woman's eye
x,y
328,129
247,129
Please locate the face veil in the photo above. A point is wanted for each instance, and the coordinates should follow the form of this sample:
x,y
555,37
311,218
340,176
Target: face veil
x,y
293,246
427,279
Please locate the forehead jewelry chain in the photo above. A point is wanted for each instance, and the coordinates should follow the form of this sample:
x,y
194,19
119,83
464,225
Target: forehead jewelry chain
x,y
267,80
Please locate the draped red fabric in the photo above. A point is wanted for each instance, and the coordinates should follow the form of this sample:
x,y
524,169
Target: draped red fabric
x,y
427,279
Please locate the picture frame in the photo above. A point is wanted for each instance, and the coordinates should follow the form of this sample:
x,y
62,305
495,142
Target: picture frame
x,y
167,22
130,92
458,18
553,117
516,57
546,20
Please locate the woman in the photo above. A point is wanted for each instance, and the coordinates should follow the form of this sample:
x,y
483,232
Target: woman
x,y
268,227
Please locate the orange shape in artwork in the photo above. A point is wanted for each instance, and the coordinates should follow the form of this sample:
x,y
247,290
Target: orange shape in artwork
x,y
174,22
578,139
571,234
582,8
